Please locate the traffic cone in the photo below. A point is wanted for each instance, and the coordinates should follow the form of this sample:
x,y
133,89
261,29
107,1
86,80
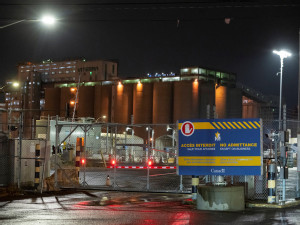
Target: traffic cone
x,y
108,181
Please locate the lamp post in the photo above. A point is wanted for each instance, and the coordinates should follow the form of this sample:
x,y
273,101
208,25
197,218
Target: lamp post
x,y
282,54
48,20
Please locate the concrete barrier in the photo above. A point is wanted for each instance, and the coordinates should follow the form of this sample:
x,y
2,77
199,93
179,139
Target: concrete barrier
x,y
220,198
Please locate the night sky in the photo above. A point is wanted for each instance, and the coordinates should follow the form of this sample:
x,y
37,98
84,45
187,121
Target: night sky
x,y
160,36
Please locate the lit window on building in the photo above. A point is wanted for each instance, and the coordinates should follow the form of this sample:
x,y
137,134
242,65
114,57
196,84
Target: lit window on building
x,y
195,71
184,70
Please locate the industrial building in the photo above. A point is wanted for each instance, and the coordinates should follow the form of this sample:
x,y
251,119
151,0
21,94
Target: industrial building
x,y
92,89
151,100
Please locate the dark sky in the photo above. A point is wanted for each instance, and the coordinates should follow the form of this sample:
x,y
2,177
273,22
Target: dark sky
x,y
145,36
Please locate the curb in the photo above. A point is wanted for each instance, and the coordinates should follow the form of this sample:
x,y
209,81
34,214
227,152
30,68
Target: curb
x,y
287,204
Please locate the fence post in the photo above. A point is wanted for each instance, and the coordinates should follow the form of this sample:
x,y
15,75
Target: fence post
x,y
37,166
181,185
195,183
84,146
57,146
114,185
20,147
106,144
271,183
78,150
148,175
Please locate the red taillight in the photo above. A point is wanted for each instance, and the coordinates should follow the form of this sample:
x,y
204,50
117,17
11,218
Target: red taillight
x,y
82,161
149,163
113,162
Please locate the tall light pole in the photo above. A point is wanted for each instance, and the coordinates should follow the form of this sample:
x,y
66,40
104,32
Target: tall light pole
x,y
48,20
282,54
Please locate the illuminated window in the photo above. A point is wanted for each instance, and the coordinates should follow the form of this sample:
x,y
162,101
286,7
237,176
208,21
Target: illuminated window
x,y
195,71
202,71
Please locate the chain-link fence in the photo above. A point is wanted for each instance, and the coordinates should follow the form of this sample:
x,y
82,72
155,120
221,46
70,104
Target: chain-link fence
x,y
132,147
144,155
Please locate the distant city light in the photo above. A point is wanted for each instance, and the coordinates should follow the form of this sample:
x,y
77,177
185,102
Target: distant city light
x,y
161,74
16,84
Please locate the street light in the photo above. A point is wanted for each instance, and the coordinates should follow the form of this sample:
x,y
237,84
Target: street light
x,y
282,54
48,20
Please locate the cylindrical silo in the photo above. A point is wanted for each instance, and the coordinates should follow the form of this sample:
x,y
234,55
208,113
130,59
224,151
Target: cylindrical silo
x,y
65,97
186,100
234,107
162,107
207,98
221,102
52,102
142,103
162,102
142,107
102,103
97,101
85,107
122,106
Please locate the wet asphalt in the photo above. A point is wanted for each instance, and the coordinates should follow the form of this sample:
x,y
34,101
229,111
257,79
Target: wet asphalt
x,y
112,207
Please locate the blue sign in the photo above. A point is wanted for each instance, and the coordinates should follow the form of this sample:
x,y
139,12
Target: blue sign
x,y
220,147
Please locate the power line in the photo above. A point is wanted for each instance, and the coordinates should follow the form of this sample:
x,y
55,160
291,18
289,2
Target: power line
x,y
165,5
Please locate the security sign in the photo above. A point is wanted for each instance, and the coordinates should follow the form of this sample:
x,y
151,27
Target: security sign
x,y
220,147
187,128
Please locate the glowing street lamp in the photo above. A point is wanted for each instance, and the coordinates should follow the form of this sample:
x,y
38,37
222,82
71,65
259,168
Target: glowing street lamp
x,y
283,55
47,20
